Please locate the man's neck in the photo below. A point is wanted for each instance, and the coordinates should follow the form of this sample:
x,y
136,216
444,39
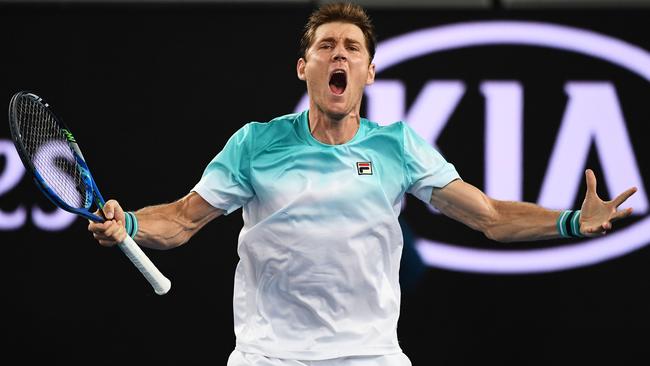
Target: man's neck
x,y
333,131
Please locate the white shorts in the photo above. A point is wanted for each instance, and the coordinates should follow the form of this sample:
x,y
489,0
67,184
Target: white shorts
x,y
238,358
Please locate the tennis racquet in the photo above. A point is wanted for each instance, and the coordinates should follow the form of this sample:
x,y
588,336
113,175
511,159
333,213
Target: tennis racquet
x,y
51,154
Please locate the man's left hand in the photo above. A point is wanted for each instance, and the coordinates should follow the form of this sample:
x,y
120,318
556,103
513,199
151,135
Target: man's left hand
x,y
597,216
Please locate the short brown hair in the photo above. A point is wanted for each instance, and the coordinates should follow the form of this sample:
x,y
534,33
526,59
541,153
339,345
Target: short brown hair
x,y
339,12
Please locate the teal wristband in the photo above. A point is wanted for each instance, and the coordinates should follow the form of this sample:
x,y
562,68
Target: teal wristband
x,y
568,224
135,225
130,223
575,225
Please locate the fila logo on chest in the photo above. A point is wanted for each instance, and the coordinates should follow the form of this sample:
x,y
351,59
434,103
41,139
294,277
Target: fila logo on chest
x,y
364,168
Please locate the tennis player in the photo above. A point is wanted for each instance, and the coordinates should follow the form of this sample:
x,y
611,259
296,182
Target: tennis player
x,y
321,191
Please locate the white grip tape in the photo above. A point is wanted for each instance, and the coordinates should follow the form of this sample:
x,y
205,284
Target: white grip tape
x,y
160,283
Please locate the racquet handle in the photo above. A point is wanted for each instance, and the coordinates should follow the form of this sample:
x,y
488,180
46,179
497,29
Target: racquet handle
x,y
160,283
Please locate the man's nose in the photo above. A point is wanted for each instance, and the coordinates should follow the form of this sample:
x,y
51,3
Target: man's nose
x,y
340,54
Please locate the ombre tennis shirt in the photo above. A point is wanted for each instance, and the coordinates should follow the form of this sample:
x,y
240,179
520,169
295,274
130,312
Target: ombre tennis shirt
x,y
320,249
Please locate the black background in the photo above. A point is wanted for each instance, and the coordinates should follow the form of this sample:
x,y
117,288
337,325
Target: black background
x,y
152,92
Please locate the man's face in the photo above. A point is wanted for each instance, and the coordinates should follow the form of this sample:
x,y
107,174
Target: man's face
x,y
336,68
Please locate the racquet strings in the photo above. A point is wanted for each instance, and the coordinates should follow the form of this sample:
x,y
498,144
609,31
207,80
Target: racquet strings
x,y
47,147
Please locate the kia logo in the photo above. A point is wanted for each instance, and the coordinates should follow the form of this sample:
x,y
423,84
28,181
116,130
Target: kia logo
x,y
592,116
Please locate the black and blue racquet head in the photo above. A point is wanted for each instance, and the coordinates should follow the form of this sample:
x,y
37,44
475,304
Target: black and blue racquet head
x,y
51,154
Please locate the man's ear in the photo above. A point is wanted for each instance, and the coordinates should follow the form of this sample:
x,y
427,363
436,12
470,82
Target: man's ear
x,y
371,74
300,68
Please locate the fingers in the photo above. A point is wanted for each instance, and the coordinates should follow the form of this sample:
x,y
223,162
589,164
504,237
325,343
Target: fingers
x,y
594,233
590,177
598,230
113,211
111,231
621,214
108,233
607,225
623,196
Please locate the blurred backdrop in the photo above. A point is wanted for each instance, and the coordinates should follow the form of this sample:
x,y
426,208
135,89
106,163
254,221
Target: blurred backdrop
x,y
521,96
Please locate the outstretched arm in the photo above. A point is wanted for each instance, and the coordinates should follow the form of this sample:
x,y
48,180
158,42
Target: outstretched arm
x,y
163,226
508,221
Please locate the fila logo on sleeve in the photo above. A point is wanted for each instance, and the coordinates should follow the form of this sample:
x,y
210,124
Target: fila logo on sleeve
x,y
364,168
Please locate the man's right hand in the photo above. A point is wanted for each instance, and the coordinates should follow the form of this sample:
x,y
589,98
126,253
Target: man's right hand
x,y
111,231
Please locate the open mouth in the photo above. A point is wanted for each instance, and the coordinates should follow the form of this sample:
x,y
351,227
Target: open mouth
x,y
338,82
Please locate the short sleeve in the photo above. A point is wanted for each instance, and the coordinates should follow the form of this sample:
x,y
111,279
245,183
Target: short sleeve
x,y
426,168
225,183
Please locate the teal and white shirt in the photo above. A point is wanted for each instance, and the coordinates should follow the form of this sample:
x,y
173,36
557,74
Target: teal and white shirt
x,y
320,249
